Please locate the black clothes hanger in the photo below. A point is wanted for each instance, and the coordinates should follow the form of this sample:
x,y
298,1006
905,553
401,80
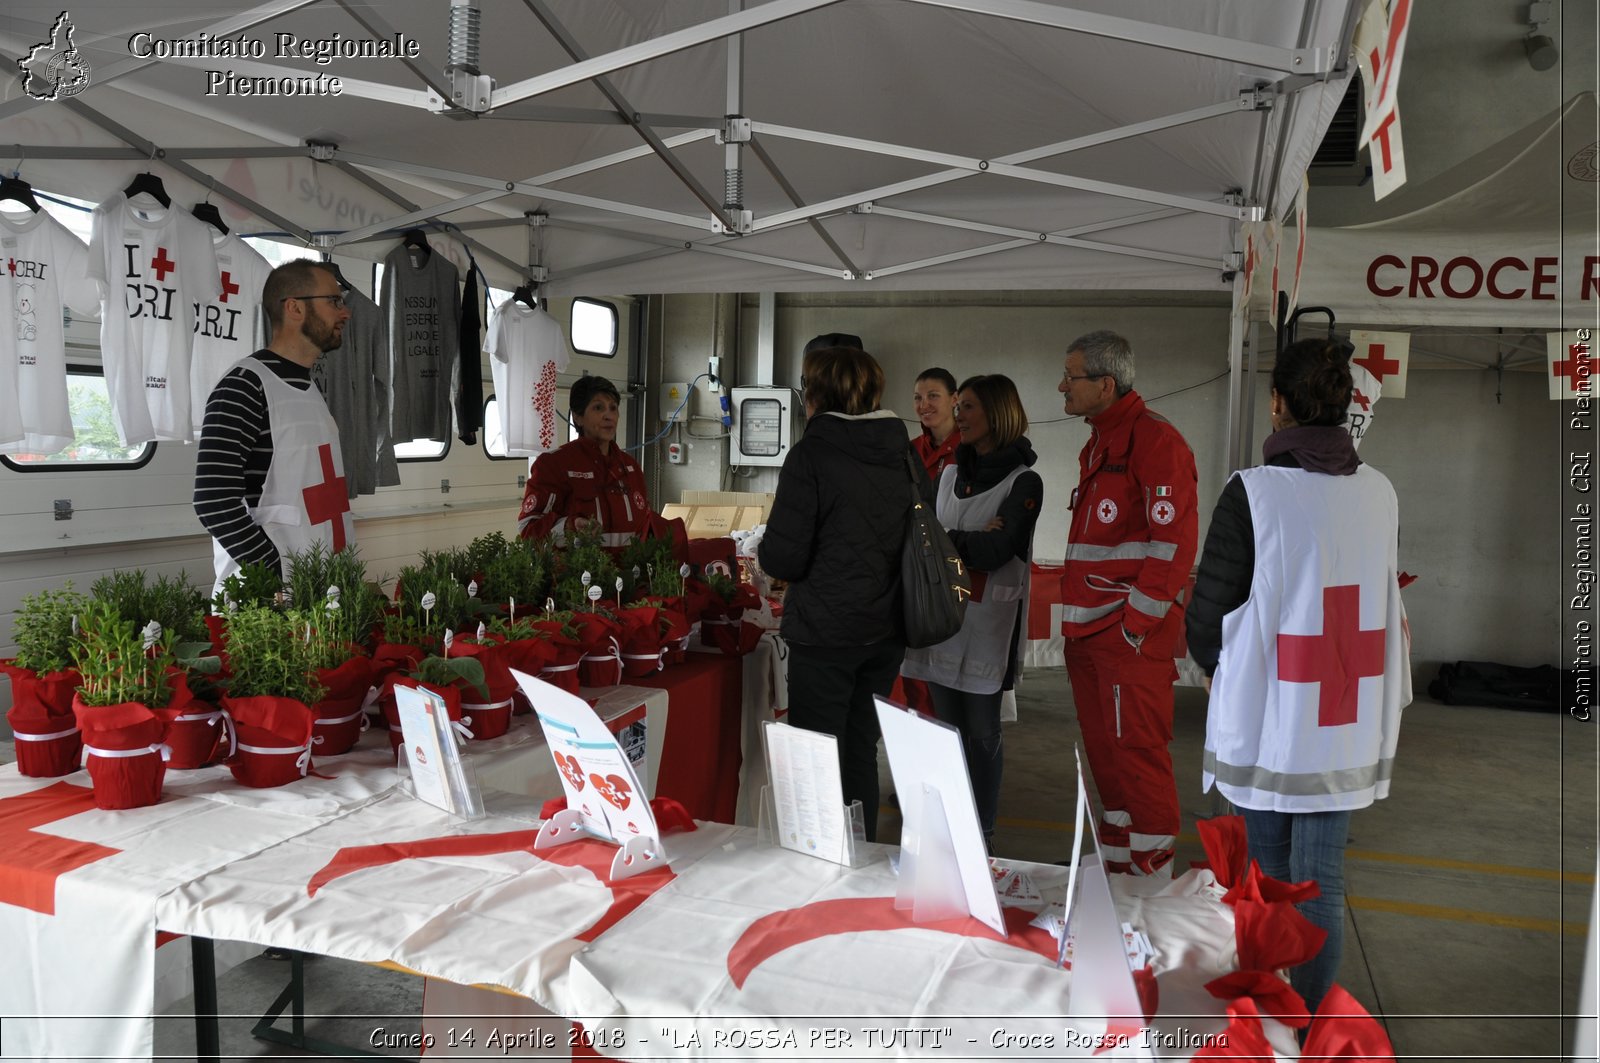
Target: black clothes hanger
x,y
208,213
18,189
415,238
524,295
338,274
151,184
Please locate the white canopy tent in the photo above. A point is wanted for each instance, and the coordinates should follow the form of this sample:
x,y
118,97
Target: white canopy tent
x,y
878,144
1505,240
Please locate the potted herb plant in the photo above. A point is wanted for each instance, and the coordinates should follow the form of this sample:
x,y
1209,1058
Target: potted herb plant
x,y
43,681
126,677
270,695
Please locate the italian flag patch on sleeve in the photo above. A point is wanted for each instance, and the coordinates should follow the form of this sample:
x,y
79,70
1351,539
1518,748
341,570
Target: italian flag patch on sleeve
x,y
1163,492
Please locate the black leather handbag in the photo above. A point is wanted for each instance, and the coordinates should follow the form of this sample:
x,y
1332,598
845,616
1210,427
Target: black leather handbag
x,y
934,582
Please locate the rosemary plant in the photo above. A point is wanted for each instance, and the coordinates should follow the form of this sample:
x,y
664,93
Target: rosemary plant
x,y
172,602
254,584
584,554
43,629
270,655
658,569
111,657
359,605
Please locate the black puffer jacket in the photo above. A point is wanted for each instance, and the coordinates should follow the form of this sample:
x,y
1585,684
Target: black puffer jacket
x,y
836,528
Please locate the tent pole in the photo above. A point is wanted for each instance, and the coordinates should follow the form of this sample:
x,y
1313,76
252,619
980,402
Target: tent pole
x,y
1236,341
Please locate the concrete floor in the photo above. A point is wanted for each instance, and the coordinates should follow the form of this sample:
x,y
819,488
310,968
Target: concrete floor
x,y
1468,889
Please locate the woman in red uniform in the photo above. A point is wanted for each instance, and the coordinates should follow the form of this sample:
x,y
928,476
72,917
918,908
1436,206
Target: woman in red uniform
x,y
591,479
934,401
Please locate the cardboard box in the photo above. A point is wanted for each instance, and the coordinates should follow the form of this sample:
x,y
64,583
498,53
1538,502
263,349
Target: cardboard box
x,y
713,514
711,522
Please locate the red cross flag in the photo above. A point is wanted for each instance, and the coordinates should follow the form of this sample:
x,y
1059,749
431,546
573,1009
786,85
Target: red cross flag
x,y
1573,367
1380,41
1386,355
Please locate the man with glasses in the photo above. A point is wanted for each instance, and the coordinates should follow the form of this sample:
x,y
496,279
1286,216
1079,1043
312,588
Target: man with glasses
x,y
269,476
1131,541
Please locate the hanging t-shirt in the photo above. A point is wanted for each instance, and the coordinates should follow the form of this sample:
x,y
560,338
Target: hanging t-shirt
x,y
45,268
355,382
526,350
423,305
228,327
154,264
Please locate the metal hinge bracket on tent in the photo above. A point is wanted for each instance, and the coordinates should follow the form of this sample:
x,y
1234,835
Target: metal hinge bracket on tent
x,y
321,150
736,129
1248,211
743,222
1255,99
469,89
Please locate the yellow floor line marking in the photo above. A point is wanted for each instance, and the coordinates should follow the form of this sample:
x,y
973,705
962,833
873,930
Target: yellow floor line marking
x,y
1374,855
1465,915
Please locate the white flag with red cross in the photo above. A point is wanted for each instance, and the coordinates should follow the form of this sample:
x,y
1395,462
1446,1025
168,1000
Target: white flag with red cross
x,y
1379,42
1386,355
1570,356
1363,403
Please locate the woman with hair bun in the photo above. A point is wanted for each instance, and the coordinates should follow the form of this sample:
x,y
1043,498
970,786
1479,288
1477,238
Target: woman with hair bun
x,y
1298,626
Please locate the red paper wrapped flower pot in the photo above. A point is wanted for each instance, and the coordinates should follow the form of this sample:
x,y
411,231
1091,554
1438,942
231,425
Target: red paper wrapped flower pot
x,y
562,671
274,745
48,741
338,718
195,728
124,755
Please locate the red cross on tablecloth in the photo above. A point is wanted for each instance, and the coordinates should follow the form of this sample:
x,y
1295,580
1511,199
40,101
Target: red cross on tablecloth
x,y
33,861
1376,364
162,264
1365,403
328,500
228,287
1577,366
1337,659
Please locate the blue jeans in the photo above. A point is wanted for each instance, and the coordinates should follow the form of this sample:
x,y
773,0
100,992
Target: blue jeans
x,y
1293,847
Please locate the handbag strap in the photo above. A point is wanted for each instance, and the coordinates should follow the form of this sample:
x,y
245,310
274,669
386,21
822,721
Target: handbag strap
x,y
911,471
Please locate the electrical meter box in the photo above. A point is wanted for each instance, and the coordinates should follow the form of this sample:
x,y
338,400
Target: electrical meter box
x,y
766,422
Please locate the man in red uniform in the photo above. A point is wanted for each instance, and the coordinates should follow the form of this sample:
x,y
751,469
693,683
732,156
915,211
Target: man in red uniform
x,y
589,480
1132,539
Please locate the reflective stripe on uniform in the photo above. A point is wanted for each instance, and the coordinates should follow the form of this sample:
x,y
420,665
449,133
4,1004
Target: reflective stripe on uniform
x,y
1082,614
1299,784
1133,551
1147,605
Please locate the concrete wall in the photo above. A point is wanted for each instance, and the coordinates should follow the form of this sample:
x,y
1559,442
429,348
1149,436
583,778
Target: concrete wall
x,y
1478,476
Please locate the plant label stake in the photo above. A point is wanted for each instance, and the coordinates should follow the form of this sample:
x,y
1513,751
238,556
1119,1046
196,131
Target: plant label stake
x,y
594,596
619,588
449,637
549,606
482,631
308,632
683,579
333,593
152,635
472,589
428,602
513,610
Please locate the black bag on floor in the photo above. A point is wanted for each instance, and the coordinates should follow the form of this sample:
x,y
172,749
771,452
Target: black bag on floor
x,y
1500,686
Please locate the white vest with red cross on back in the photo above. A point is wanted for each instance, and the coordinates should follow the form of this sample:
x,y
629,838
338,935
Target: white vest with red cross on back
x,y
1315,665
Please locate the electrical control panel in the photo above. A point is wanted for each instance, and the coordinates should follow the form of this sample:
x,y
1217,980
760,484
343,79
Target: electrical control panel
x,y
766,422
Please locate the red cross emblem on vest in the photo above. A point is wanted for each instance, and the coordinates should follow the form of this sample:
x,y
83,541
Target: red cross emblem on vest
x,y
36,860
1337,659
328,500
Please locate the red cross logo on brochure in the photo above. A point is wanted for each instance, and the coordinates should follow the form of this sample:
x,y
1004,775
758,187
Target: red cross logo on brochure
x,y
1106,511
328,500
1337,659
162,264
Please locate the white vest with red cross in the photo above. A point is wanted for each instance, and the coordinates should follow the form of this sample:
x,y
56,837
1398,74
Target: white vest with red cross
x,y
1305,703
304,499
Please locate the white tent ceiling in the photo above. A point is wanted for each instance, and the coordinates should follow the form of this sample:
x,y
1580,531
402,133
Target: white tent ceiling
x,y
896,144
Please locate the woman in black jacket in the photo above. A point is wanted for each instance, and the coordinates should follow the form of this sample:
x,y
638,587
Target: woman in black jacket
x,y
835,533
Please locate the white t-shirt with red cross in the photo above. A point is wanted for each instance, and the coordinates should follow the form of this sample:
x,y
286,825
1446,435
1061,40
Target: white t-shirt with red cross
x,y
527,349
154,264
43,267
228,327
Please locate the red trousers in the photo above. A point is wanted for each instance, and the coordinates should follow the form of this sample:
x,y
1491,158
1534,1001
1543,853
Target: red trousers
x,y
1124,703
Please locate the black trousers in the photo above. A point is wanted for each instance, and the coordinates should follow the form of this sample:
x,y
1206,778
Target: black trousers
x,y
831,690
977,717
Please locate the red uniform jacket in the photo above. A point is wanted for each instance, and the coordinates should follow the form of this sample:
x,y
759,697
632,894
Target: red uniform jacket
x,y
1134,528
935,456
579,481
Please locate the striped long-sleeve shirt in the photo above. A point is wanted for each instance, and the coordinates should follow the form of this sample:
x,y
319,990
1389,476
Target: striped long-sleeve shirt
x,y
235,453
